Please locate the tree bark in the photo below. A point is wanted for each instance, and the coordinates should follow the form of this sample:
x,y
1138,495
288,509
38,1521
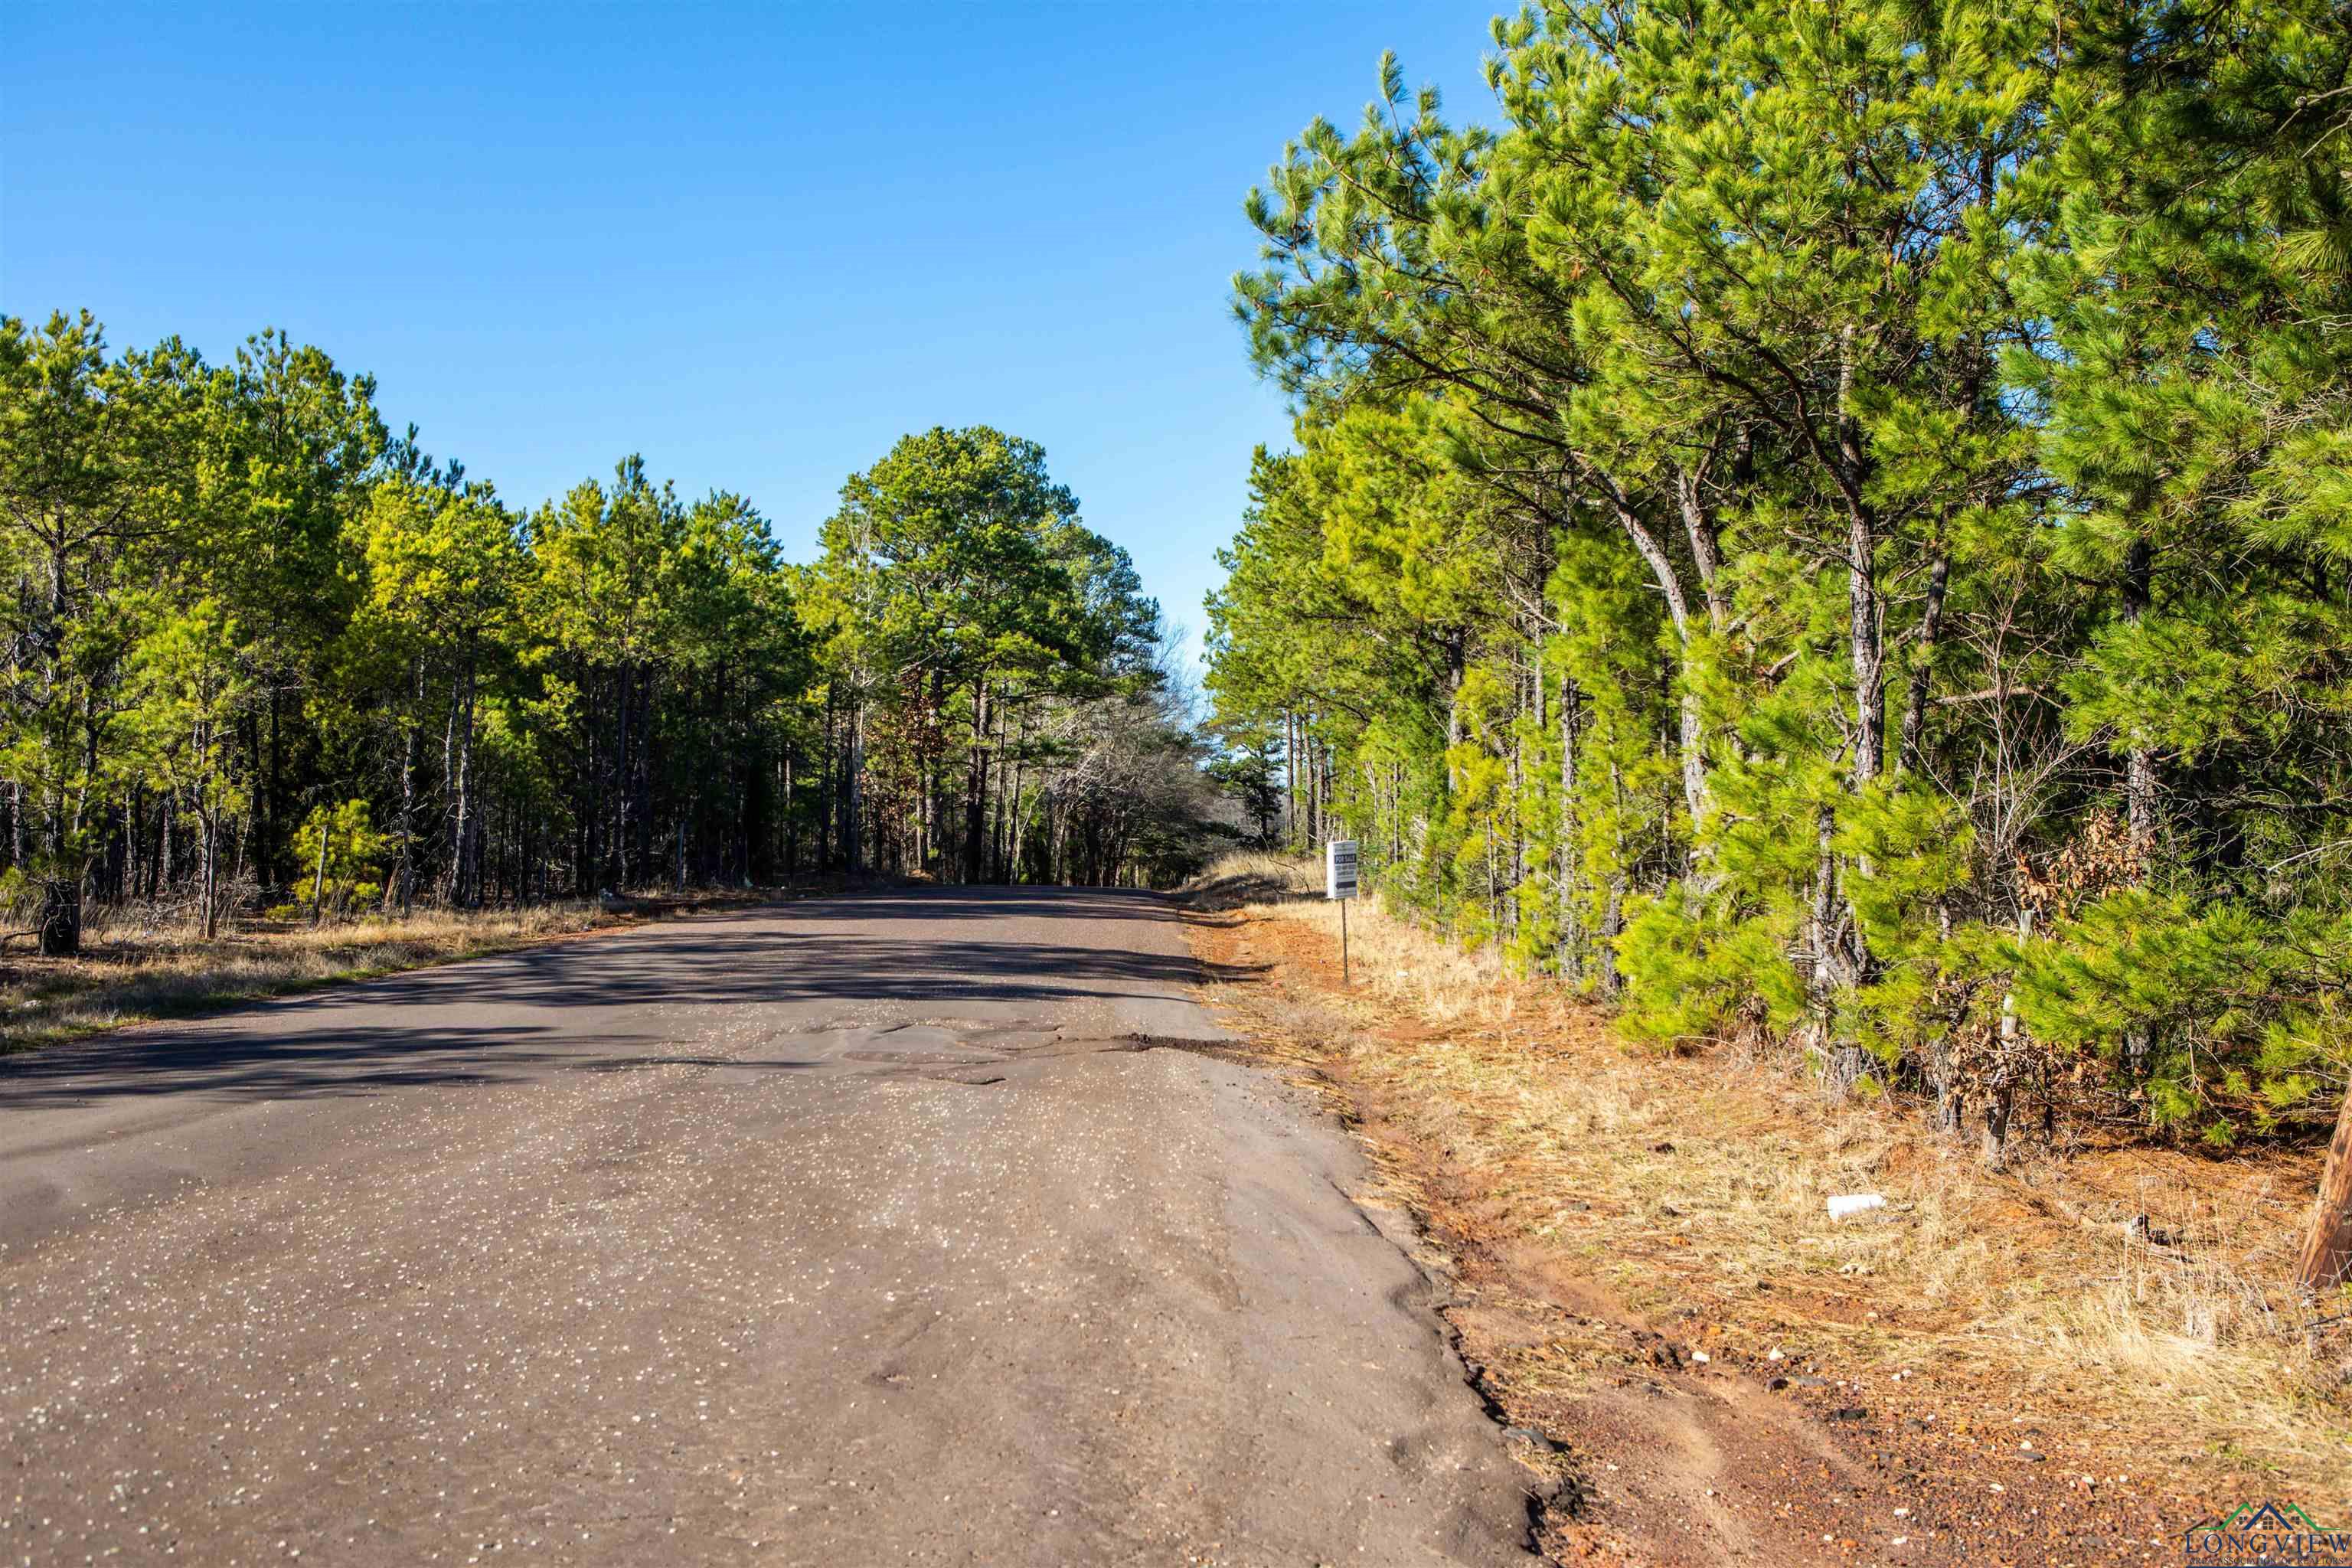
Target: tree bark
x,y
791,819
2139,765
1690,739
975,795
1613,925
827,813
1013,844
273,808
619,849
162,845
1707,552
1294,827
319,881
1914,707
1823,919
2139,786
852,788
209,921
2327,1256
1866,611
1572,926
406,871
467,871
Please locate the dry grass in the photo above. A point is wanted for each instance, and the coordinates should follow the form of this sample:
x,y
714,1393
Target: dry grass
x,y
1391,959
130,971
1696,1185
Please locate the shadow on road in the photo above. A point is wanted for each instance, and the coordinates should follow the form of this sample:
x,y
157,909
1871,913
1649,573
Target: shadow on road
x,y
607,1003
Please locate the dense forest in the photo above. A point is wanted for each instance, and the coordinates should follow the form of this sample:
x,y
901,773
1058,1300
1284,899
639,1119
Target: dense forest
x,y
261,653
1831,527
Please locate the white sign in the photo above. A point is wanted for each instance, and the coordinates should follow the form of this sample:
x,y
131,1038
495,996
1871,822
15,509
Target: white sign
x,y
1339,868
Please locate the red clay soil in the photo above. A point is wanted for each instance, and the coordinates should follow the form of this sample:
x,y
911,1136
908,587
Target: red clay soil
x,y
1669,1445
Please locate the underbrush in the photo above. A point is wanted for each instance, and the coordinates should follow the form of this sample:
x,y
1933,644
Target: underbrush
x,y
2140,1286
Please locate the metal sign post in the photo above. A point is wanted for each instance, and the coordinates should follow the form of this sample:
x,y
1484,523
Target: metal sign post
x,y
1339,885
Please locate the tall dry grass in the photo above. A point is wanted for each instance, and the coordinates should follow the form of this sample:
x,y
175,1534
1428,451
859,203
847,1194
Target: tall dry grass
x,y
2137,1278
1391,958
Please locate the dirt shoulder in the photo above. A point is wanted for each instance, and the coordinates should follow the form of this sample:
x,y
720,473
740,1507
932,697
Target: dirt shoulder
x,y
2064,1363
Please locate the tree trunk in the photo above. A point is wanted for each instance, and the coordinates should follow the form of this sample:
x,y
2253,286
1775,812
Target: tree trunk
x,y
162,845
1706,553
318,882
1297,833
827,811
134,848
208,887
1612,924
2139,789
641,772
999,829
273,808
1952,1105
449,879
1866,611
853,789
1571,932
1690,737
59,919
1012,806
2326,1257
791,820
1915,707
1829,970
618,851
88,763
975,795
406,871
2139,766
1998,1103
466,879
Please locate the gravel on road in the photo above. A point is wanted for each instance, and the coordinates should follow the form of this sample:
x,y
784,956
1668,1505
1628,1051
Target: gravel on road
x,y
891,1228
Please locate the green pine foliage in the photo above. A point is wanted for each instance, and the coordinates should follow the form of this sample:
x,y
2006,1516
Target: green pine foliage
x,y
246,625
1828,527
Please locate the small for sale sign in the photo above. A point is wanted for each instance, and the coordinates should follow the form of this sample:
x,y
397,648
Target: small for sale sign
x,y
1339,868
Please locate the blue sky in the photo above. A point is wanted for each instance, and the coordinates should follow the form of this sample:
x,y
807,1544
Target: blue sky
x,y
756,243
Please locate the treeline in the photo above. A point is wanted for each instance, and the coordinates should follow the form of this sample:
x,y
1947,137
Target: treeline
x,y
1832,527
261,652
1002,691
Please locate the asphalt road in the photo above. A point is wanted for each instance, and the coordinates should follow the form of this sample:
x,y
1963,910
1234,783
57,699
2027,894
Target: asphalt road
x,y
860,1231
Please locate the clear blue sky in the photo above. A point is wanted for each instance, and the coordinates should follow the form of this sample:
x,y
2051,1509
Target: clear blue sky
x,y
756,243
